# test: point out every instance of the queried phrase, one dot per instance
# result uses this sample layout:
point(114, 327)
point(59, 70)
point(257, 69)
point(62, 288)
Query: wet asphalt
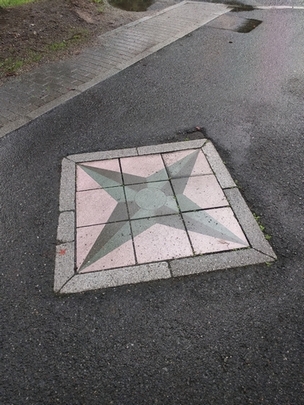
point(256, 3)
point(227, 337)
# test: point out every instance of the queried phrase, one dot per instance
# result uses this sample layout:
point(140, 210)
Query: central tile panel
point(142, 209)
point(154, 212)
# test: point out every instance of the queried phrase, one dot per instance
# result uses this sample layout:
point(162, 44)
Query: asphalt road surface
point(227, 337)
point(257, 3)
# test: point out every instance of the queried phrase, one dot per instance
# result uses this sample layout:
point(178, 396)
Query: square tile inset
point(143, 169)
point(161, 238)
point(186, 163)
point(173, 212)
point(198, 192)
point(214, 230)
point(99, 174)
point(100, 206)
point(103, 247)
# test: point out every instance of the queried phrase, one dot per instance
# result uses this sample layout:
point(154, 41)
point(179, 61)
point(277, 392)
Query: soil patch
point(47, 30)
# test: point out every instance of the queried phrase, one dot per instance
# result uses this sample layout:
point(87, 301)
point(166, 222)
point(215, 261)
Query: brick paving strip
point(27, 97)
point(149, 213)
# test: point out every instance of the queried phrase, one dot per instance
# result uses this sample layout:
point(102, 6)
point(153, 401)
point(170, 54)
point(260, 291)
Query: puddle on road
point(238, 6)
point(234, 23)
point(132, 5)
point(248, 25)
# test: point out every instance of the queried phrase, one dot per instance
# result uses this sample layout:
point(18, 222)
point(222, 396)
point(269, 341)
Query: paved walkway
point(25, 98)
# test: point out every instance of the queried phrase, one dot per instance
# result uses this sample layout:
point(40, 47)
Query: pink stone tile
point(226, 217)
point(207, 244)
point(85, 182)
point(160, 241)
point(143, 166)
point(204, 191)
point(180, 167)
point(96, 206)
point(121, 256)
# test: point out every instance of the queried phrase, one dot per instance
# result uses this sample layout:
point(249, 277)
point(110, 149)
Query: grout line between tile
point(129, 218)
point(179, 209)
point(169, 267)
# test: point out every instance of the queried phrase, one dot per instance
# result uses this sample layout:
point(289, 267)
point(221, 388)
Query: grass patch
point(75, 37)
point(13, 3)
point(262, 227)
point(99, 5)
point(57, 46)
point(12, 64)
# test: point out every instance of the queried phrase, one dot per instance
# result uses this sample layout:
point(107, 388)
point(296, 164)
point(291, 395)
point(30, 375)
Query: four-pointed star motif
point(155, 196)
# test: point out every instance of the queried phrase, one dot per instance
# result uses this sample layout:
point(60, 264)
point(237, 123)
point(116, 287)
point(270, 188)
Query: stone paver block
point(102, 155)
point(171, 147)
point(216, 261)
point(67, 186)
point(64, 264)
point(113, 278)
point(247, 221)
point(218, 166)
point(66, 227)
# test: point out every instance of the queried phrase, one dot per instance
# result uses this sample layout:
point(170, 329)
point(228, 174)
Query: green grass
point(99, 5)
point(57, 46)
point(13, 3)
point(12, 64)
point(262, 227)
point(75, 37)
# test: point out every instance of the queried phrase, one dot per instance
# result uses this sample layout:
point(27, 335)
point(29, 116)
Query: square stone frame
point(66, 280)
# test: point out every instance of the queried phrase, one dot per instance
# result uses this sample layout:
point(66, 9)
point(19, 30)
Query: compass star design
point(156, 196)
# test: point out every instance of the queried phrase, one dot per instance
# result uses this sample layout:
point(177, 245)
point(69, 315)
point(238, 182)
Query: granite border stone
point(248, 223)
point(171, 147)
point(103, 155)
point(67, 187)
point(64, 264)
point(117, 277)
point(66, 227)
point(218, 166)
point(216, 261)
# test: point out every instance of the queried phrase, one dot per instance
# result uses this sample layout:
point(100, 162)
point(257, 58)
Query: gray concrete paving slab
point(67, 193)
point(66, 227)
point(117, 277)
point(218, 166)
point(187, 266)
point(112, 154)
